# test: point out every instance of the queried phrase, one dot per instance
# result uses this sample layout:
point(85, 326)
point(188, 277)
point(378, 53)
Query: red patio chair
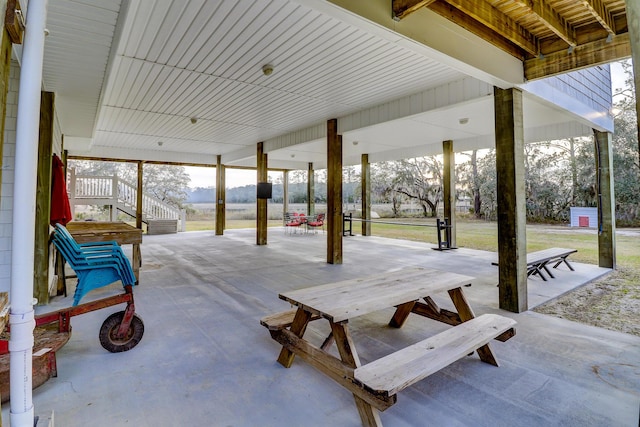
point(291, 222)
point(317, 222)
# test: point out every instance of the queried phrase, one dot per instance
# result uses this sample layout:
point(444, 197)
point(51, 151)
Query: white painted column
point(28, 122)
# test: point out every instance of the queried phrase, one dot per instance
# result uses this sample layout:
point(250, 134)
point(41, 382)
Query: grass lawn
point(482, 235)
point(230, 224)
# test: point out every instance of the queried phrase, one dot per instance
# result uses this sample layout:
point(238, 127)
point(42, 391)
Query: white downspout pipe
point(26, 165)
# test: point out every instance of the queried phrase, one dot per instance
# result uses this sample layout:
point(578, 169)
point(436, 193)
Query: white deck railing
point(120, 194)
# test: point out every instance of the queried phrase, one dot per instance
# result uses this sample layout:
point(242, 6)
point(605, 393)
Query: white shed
point(584, 217)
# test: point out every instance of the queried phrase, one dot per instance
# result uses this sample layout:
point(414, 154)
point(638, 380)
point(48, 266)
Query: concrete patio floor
point(206, 361)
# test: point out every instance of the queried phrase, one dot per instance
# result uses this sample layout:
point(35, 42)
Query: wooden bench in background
point(539, 261)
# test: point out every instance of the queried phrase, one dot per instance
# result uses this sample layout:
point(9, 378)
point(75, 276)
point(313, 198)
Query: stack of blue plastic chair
point(96, 264)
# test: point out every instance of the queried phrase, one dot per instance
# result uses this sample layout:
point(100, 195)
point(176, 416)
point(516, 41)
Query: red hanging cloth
point(60, 209)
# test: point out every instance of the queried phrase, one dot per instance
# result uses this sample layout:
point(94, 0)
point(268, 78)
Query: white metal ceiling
point(129, 76)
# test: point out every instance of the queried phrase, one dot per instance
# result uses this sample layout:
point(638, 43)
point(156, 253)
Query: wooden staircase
point(121, 196)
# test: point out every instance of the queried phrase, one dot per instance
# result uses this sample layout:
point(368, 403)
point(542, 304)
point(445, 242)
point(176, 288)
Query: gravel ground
point(612, 302)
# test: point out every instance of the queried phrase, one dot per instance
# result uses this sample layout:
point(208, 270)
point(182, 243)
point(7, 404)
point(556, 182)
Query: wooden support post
point(365, 185)
point(5, 66)
point(220, 196)
point(261, 226)
point(43, 199)
point(606, 200)
point(285, 193)
point(65, 158)
point(334, 193)
point(369, 416)
point(466, 313)
point(449, 191)
point(512, 243)
point(72, 192)
point(114, 199)
point(311, 193)
point(139, 196)
point(298, 327)
point(633, 21)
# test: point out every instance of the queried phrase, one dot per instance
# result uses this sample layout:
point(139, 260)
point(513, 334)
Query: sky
point(206, 177)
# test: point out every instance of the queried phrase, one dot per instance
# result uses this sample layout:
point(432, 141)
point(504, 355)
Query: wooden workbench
point(123, 233)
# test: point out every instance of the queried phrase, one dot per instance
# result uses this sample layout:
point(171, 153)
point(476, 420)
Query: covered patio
point(205, 359)
point(304, 85)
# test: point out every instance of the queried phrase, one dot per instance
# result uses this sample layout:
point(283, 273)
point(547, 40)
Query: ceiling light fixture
point(355, 142)
point(194, 120)
point(267, 69)
point(463, 121)
point(160, 143)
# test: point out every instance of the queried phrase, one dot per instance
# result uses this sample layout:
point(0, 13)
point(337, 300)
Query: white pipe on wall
point(26, 165)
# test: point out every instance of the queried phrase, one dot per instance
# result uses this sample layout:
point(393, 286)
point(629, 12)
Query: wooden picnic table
point(375, 385)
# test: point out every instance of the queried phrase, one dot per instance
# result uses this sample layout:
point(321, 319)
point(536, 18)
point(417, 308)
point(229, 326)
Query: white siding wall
point(8, 164)
point(586, 93)
point(591, 86)
point(591, 213)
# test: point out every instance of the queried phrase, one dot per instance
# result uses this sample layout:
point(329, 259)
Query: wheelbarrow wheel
point(109, 331)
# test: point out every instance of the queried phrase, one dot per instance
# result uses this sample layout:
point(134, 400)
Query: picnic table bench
point(540, 260)
point(375, 385)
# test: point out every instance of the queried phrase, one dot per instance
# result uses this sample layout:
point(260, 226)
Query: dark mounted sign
point(264, 190)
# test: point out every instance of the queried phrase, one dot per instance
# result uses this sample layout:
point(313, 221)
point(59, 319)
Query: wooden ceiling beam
point(403, 8)
point(546, 15)
point(601, 13)
point(489, 16)
point(465, 21)
point(586, 55)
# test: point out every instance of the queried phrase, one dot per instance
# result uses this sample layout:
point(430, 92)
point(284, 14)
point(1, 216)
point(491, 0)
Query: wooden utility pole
point(606, 200)
point(43, 199)
point(633, 21)
point(139, 196)
point(311, 193)
point(449, 190)
point(512, 236)
point(334, 193)
point(220, 196)
point(261, 232)
point(365, 185)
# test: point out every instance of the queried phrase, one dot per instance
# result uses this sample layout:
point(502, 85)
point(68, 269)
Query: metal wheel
point(109, 330)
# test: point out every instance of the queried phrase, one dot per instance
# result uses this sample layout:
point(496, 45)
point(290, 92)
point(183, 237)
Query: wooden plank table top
point(340, 301)
point(121, 232)
point(549, 253)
